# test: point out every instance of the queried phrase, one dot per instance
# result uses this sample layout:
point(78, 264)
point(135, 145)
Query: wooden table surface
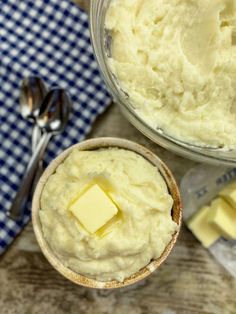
point(190, 281)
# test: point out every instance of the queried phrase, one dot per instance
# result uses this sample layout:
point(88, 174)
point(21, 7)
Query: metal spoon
point(52, 121)
point(32, 93)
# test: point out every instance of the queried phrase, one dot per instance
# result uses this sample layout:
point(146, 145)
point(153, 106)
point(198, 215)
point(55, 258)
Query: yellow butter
point(93, 209)
point(200, 227)
point(223, 217)
point(229, 194)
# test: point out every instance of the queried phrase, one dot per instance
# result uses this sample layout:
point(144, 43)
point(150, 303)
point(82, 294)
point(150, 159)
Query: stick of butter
point(223, 217)
point(200, 227)
point(93, 209)
point(229, 194)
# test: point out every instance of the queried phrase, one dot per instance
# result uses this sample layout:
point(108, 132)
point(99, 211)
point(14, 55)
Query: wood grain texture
point(190, 282)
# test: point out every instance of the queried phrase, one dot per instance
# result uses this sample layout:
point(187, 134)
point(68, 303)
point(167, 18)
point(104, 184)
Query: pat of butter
point(229, 194)
point(223, 217)
point(93, 209)
point(200, 227)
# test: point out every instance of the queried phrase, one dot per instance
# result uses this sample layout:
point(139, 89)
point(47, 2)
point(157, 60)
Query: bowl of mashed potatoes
point(171, 66)
point(127, 242)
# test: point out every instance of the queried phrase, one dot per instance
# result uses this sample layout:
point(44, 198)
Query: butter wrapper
point(199, 187)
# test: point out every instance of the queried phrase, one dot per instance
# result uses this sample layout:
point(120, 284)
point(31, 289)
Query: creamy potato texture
point(176, 59)
point(140, 231)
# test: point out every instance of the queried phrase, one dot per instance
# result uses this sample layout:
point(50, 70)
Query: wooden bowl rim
point(93, 144)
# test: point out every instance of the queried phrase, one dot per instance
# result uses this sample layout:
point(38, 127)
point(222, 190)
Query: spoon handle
point(18, 206)
point(37, 177)
point(36, 135)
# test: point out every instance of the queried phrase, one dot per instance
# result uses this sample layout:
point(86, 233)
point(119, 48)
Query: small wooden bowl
point(94, 144)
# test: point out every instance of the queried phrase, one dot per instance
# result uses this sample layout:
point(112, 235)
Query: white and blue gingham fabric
point(48, 38)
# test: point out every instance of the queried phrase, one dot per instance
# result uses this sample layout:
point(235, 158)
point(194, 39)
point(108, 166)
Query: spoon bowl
point(32, 93)
point(55, 111)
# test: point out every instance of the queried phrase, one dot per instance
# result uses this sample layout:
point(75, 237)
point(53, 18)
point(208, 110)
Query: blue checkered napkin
point(49, 38)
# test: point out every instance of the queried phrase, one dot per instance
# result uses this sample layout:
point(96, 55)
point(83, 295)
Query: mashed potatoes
point(177, 61)
point(141, 230)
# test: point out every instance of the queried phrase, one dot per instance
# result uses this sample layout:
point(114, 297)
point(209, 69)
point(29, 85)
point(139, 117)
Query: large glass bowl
point(101, 43)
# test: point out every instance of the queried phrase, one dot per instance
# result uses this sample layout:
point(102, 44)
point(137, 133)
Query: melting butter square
point(93, 209)
point(200, 227)
point(223, 217)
